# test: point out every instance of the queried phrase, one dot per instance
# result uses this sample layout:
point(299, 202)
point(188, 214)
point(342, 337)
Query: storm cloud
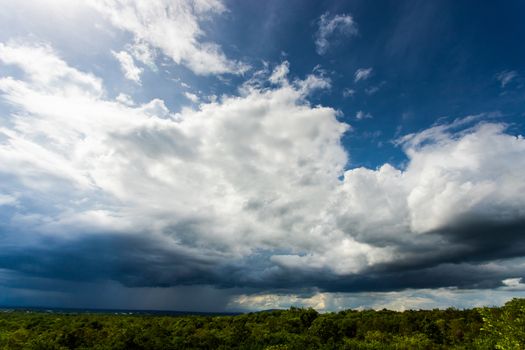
point(249, 192)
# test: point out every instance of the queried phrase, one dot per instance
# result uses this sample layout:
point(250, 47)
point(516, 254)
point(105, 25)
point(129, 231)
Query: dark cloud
point(462, 260)
point(114, 270)
point(130, 259)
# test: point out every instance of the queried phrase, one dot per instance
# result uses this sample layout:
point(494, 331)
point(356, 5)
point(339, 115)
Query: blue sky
point(256, 155)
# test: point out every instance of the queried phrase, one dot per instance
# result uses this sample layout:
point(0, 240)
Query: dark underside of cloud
point(460, 257)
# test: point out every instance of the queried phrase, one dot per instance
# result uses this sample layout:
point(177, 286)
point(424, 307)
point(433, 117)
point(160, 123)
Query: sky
point(233, 155)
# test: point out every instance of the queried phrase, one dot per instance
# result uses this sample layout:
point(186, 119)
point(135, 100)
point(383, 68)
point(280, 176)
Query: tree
point(504, 328)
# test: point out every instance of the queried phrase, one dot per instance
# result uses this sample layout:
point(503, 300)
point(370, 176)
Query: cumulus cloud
point(192, 172)
point(174, 28)
point(362, 74)
point(127, 64)
point(247, 191)
point(450, 180)
point(329, 26)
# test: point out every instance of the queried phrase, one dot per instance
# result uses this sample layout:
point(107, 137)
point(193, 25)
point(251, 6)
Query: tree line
point(295, 328)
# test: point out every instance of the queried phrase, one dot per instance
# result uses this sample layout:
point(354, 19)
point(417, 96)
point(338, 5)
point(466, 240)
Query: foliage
point(504, 328)
point(483, 328)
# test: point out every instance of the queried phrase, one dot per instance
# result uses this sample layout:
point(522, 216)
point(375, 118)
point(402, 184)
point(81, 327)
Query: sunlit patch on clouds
point(408, 299)
point(247, 196)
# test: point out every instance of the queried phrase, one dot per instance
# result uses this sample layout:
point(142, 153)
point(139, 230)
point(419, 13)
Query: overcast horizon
point(231, 155)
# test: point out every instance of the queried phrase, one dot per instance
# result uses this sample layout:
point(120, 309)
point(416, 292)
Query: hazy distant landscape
point(480, 328)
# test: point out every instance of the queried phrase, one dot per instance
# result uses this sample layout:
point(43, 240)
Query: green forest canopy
point(296, 328)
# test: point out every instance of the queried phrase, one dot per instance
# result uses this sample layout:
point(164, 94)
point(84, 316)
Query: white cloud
point(360, 115)
point(144, 53)
point(46, 69)
point(409, 299)
point(449, 177)
point(446, 177)
point(505, 77)
point(345, 257)
point(130, 70)
point(276, 301)
point(279, 76)
point(329, 25)
point(125, 99)
point(362, 74)
point(237, 167)
point(192, 97)
point(313, 82)
point(513, 284)
point(280, 73)
point(174, 28)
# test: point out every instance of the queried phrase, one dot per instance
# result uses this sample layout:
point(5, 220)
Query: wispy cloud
point(49, 71)
point(143, 52)
point(174, 28)
point(360, 115)
point(348, 92)
point(127, 64)
point(192, 97)
point(362, 74)
point(505, 77)
point(329, 26)
point(280, 73)
point(375, 88)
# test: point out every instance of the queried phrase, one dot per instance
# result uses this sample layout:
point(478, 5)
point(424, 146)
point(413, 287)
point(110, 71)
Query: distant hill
point(57, 310)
